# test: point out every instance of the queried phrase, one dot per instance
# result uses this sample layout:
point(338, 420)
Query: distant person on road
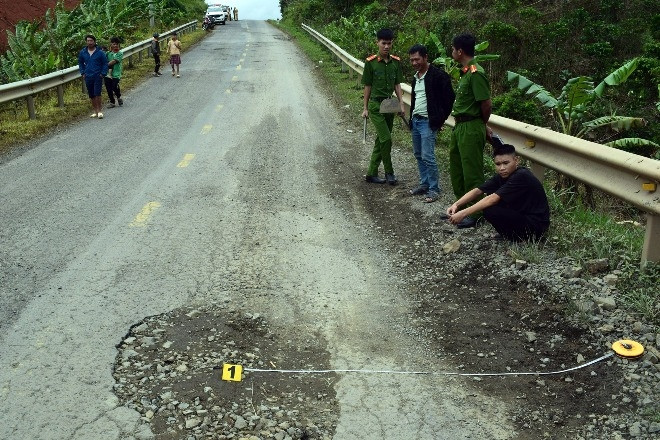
point(174, 50)
point(115, 57)
point(471, 112)
point(155, 51)
point(516, 204)
point(382, 76)
point(229, 13)
point(235, 14)
point(432, 100)
point(93, 66)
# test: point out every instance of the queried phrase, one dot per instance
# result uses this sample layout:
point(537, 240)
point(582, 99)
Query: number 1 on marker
point(232, 373)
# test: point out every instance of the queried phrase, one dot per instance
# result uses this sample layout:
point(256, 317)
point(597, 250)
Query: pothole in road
point(169, 369)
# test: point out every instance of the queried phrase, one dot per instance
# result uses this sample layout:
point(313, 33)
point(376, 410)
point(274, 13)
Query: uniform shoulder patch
point(371, 58)
point(395, 57)
point(473, 68)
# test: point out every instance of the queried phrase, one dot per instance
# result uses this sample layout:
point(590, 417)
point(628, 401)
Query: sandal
point(418, 191)
point(431, 197)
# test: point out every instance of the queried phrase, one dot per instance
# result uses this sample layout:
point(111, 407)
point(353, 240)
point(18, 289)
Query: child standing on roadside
point(155, 51)
point(115, 57)
point(174, 49)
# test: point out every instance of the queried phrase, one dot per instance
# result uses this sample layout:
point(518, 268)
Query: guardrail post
point(651, 249)
point(538, 170)
point(60, 96)
point(140, 56)
point(30, 106)
point(130, 61)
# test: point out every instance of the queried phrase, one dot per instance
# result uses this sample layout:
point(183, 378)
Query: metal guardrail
point(629, 177)
point(30, 87)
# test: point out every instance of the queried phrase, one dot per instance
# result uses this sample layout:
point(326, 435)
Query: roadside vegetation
point(549, 42)
point(582, 229)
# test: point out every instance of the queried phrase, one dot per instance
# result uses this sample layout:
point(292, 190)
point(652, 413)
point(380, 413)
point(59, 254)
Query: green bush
point(504, 6)
point(512, 104)
point(500, 34)
point(601, 49)
point(529, 13)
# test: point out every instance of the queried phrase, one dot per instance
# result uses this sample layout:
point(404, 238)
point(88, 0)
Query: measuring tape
point(625, 349)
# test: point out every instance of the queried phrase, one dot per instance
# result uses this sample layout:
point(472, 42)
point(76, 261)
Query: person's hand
point(452, 209)
point(403, 110)
point(456, 218)
point(365, 113)
point(489, 134)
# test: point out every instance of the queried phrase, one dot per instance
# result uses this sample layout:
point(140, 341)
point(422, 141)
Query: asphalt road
point(211, 187)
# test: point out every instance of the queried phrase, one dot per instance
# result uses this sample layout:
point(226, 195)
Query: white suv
point(216, 14)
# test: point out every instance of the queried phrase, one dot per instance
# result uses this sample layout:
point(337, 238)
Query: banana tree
point(571, 109)
point(29, 53)
point(107, 18)
point(452, 67)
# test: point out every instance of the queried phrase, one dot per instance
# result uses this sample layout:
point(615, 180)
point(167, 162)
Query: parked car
point(216, 14)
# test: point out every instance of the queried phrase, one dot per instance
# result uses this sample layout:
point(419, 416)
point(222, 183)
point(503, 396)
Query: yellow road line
point(219, 107)
point(207, 129)
point(228, 91)
point(186, 160)
point(144, 215)
point(235, 78)
point(238, 67)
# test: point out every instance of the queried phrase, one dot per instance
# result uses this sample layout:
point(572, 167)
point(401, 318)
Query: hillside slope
point(11, 12)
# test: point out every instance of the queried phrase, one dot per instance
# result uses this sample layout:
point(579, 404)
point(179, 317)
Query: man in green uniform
point(382, 75)
point(471, 111)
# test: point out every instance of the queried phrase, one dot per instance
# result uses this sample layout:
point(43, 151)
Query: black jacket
point(439, 96)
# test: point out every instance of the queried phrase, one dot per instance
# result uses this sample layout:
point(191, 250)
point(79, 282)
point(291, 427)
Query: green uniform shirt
point(115, 70)
point(382, 76)
point(472, 88)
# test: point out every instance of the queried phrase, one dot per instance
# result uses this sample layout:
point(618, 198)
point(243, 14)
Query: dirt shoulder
point(486, 310)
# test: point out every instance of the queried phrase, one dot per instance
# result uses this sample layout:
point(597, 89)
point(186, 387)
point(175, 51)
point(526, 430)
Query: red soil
point(13, 11)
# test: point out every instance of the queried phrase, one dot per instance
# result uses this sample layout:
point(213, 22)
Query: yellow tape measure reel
point(628, 349)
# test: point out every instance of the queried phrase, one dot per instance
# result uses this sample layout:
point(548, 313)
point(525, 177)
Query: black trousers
point(112, 87)
point(157, 61)
point(511, 224)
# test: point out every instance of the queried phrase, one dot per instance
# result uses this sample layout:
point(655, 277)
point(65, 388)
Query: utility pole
point(152, 21)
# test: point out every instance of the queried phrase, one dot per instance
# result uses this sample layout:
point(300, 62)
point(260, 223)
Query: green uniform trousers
point(466, 156)
point(383, 123)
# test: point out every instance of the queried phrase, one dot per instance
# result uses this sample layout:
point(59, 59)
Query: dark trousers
point(157, 61)
point(112, 87)
point(511, 224)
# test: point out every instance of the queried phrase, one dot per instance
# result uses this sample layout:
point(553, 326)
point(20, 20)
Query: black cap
point(156, 35)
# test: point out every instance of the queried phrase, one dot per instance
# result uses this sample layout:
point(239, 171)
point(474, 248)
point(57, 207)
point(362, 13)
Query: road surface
point(212, 187)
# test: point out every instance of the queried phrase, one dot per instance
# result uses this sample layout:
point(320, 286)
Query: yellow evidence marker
point(232, 373)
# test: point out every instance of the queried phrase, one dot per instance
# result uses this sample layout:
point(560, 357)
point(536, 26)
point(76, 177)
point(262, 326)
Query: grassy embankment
point(17, 128)
point(577, 231)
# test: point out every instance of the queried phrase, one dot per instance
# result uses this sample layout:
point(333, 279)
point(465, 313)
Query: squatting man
point(516, 204)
